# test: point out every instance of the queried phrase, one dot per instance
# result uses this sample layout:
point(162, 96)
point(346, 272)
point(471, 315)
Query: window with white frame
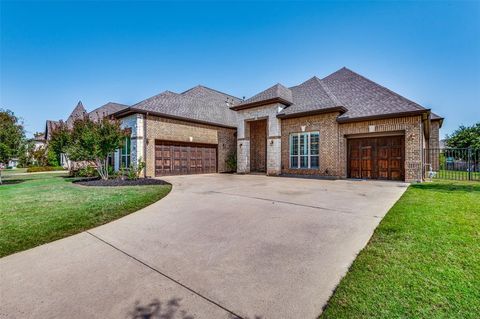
point(304, 150)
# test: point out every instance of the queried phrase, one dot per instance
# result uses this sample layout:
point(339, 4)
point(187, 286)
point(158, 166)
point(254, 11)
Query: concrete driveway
point(218, 246)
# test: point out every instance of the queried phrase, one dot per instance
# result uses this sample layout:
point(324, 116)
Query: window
point(125, 152)
point(304, 150)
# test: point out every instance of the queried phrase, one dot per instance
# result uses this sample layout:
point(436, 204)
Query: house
point(342, 126)
point(79, 112)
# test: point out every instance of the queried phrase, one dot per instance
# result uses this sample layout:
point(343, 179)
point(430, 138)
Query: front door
point(258, 146)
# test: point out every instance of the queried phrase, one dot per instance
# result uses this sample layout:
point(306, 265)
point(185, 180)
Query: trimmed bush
point(34, 169)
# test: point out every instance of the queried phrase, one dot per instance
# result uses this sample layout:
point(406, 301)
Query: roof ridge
point(210, 89)
point(329, 93)
point(375, 83)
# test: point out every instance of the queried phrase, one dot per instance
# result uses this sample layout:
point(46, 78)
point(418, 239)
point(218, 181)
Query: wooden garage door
point(377, 158)
point(172, 158)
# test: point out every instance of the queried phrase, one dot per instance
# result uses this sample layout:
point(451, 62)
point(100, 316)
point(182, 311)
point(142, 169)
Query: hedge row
point(34, 169)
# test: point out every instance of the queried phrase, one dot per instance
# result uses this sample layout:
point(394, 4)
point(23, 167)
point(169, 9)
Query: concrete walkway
point(218, 246)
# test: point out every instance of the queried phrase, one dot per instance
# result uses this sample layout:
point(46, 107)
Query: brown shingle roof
point(363, 97)
point(198, 103)
point(105, 110)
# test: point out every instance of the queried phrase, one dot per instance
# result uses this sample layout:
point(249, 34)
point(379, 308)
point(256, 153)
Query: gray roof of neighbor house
point(199, 103)
point(78, 113)
point(105, 110)
point(49, 127)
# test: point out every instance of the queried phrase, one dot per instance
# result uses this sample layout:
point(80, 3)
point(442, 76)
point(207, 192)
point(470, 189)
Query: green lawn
point(39, 208)
point(423, 261)
point(457, 175)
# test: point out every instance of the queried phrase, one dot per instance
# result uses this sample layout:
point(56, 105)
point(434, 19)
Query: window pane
point(294, 144)
point(303, 161)
point(314, 161)
point(303, 144)
point(294, 162)
point(314, 143)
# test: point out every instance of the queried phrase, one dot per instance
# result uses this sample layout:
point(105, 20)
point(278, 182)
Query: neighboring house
point(79, 112)
point(38, 141)
point(13, 163)
point(341, 126)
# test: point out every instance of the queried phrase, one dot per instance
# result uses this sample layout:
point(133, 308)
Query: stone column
point(274, 145)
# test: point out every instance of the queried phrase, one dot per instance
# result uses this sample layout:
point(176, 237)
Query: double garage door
point(174, 158)
point(377, 158)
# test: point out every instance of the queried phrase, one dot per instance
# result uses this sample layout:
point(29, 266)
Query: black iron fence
point(452, 163)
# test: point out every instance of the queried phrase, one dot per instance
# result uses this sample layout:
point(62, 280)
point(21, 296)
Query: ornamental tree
point(93, 141)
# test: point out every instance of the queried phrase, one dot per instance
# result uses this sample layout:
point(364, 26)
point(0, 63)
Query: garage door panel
point(173, 158)
point(376, 158)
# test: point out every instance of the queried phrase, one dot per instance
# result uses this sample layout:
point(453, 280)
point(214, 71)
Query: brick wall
point(333, 143)
point(434, 141)
point(159, 128)
point(327, 126)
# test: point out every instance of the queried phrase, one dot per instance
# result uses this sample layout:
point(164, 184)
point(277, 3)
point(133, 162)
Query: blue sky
point(56, 53)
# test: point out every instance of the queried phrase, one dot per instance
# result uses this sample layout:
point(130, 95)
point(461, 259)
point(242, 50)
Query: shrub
point(86, 171)
point(231, 162)
point(34, 169)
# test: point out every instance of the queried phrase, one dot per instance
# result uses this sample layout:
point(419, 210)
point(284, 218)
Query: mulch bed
point(120, 182)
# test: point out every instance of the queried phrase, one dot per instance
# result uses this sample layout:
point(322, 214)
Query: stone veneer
point(268, 112)
point(136, 123)
point(159, 128)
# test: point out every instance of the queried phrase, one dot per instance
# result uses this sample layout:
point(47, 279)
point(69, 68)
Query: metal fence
point(452, 163)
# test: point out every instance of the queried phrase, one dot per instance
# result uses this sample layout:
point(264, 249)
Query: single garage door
point(173, 158)
point(377, 158)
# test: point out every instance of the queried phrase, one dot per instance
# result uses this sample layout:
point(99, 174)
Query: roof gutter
point(261, 103)
point(339, 109)
point(131, 110)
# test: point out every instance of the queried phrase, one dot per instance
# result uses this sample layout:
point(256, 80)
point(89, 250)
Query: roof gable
point(78, 113)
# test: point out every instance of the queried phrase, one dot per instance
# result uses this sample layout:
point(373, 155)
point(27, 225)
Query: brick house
point(341, 126)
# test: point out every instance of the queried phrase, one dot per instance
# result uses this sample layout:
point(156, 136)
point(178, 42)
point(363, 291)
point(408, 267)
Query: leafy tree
point(465, 136)
point(59, 141)
point(12, 136)
point(93, 141)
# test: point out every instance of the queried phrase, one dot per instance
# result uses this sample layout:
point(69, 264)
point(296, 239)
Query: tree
point(12, 136)
point(94, 141)
point(464, 137)
point(59, 141)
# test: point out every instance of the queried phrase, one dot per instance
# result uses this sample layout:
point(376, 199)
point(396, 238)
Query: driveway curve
point(218, 246)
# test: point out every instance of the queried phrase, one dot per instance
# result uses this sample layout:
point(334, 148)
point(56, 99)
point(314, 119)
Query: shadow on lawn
point(170, 309)
point(471, 186)
point(11, 181)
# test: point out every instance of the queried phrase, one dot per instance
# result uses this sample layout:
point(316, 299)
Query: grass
point(423, 260)
point(39, 208)
point(460, 175)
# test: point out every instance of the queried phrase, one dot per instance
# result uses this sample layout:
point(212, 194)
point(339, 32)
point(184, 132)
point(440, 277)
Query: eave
point(339, 109)
point(383, 116)
point(130, 111)
point(261, 103)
